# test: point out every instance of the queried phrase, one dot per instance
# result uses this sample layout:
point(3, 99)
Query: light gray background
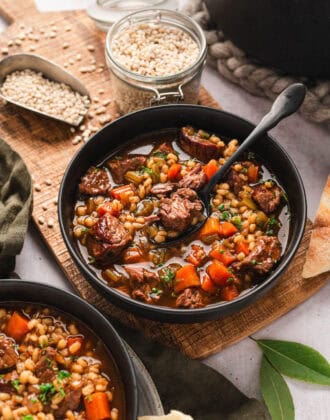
point(309, 146)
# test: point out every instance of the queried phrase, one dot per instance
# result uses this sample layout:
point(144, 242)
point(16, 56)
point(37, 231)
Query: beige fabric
point(174, 415)
point(318, 253)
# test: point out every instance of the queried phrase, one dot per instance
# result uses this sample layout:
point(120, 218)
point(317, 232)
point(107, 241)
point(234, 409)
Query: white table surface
point(309, 146)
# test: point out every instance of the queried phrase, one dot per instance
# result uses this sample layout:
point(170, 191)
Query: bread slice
point(318, 253)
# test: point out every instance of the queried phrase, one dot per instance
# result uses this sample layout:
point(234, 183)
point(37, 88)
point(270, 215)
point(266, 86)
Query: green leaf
point(297, 361)
point(275, 392)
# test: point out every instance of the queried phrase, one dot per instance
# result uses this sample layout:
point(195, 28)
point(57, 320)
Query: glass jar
point(133, 91)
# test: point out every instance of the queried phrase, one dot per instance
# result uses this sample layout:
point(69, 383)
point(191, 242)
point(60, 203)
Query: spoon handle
point(284, 105)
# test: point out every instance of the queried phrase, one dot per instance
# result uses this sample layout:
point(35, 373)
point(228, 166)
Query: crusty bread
point(318, 253)
point(174, 415)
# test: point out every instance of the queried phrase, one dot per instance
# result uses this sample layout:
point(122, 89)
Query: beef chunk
point(195, 178)
point(262, 258)
point(268, 199)
point(142, 283)
point(95, 181)
point(46, 365)
point(162, 189)
point(190, 298)
point(176, 212)
point(195, 145)
point(119, 167)
point(107, 237)
point(71, 401)
point(235, 181)
point(8, 354)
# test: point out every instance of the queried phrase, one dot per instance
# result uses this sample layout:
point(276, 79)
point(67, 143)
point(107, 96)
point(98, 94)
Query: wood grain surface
point(46, 147)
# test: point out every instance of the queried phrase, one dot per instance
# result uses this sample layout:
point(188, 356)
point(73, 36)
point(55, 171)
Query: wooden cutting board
point(46, 146)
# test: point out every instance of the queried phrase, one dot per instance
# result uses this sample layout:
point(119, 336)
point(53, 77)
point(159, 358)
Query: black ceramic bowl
point(18, 291)
point(120, 132)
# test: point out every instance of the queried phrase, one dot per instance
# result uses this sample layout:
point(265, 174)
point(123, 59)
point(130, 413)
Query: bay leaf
point(297, 361)
point(275, 392)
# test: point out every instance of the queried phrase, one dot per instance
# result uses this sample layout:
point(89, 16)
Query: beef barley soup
point(53, 367)
point(131, 202)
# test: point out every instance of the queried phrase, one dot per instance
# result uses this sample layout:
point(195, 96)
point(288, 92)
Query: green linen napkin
point(189, 385)
point(15, 206)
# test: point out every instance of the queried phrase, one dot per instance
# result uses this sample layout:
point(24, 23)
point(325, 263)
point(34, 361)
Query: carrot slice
point(229, 292)
point(107, 207)
point(208, 285)
point(97, 406)
point(253, 173)
point(222, 254)
point(174, 171)
point(227, 229)
point(186, 276)
point(17, 326)
point(218, 272)
point(210, 231)
point(242, 246)
point(122, 193)
point(210, 168)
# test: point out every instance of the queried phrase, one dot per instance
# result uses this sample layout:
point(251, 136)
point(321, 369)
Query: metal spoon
point(284, 105)
point(49, 69)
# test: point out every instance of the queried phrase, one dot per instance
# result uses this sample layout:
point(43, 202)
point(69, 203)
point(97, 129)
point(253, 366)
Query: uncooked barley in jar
point(152, 49)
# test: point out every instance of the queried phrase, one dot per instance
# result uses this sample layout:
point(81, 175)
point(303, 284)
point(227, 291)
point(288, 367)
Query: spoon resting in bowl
point(284, 105)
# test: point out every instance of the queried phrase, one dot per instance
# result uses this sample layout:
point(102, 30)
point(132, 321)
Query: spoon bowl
point(284, 105)
point(49, 69)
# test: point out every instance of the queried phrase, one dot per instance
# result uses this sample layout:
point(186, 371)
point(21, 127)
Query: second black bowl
point(114, 136)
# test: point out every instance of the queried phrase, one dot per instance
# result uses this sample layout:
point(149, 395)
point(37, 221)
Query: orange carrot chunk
point(211, 230)
point(253, 173)
point(222, 254)
point(210, 168)
point(17, 326)
point(218, 272)
point(242, 246)
point(107, 207)
point(97, 406)
point(186, 276)
point(208, 285)
point(174, 171)
point(229, 292)
point(122, 193)
point(227, 229)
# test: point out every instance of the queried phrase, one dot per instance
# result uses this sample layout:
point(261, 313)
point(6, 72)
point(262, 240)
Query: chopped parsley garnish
point(34, 400)
point(272, 221)
point(118, 158)
point(16, 383)
point(46, 390)
point(225, 215)
point(27, 417)
point(167, 275)
point(62, 392)
point(251, 156)
point(161, 155)
point(221, 207)
point(230, 280)
point(63, 374)
point(147, 170)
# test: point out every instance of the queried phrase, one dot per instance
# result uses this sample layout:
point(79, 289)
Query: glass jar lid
point(106, 12)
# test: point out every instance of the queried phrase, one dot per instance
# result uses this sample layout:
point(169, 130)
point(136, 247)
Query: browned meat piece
point(262, 258)
point(45, 368)
point(71, 401)
point(8, 354)
point(107, 237)
point(195, 179)
point(152, 218)
point(165, 147)
point(142, 283)
point(6, 382)
point(235, 181)
point(176, 212)
point(119, 167)
point(190, 298)
point(162, 189)
point(95, 181)
point(268, 199)
point(199, 147)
